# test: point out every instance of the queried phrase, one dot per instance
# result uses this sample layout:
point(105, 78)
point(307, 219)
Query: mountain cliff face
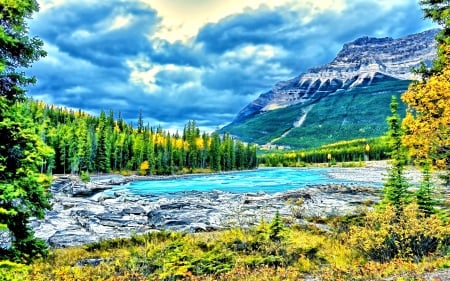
point(346, 99)
point(357, 64)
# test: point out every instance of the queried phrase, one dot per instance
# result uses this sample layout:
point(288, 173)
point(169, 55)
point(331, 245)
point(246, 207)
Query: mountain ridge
point(358, 82)
point(357, 62)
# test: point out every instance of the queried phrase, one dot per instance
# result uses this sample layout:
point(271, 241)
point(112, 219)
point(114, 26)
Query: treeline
point(103, 144)
point(344, 151)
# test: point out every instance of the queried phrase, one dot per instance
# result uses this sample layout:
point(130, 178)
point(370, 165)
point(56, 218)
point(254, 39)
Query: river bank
point(83, 212)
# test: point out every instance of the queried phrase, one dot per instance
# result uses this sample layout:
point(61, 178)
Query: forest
point(403, 236)
point(83, 143)
point(356, 151)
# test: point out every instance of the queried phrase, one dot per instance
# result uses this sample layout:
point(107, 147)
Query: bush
point(84, 176)
point(10, 271)
point(408, 235)
point(213, 262)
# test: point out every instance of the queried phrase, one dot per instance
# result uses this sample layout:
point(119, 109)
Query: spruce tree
point(276, 228)
point(23, 191)
point(396, 185)
point(425, 192)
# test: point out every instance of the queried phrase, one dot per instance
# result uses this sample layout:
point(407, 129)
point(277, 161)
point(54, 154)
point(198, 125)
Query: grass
point(235, 254)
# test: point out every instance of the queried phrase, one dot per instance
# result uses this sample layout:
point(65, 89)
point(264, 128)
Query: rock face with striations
point(359, 62)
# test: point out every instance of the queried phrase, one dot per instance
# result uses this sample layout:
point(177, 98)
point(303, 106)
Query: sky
point(202, 60)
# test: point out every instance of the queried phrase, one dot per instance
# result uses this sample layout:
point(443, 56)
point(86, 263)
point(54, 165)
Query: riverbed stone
point(88, 212)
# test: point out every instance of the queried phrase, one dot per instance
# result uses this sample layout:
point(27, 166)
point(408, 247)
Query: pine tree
point(23, 189)
point(140, 123)
point(425, 193)
point(276, 228)
point(439, 12)
point(396, 185)
point(215, 154)
point(101, 157)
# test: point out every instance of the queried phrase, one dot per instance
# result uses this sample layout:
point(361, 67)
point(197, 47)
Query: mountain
point(346, 98)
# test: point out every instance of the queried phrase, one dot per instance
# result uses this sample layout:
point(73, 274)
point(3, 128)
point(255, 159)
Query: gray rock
point(137, 210)
point(66, 238)
point(89, 262)
point(77, 220)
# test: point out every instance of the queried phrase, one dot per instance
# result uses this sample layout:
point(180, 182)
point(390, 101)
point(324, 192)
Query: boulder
point(67, 238)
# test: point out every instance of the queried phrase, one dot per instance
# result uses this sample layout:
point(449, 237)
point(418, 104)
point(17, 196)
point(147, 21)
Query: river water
point(268, 180)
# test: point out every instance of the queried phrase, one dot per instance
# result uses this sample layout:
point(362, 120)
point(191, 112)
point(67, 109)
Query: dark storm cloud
point(209, 78)
point(178, 53)
point(256, 27)
point(86, 31)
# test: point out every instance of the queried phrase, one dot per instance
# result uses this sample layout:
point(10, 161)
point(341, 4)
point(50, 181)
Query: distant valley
point(345, 99)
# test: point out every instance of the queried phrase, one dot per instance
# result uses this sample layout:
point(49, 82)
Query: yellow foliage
point(199, 143)
point(144, 167)
point(178, 143)
point(409, 235)
point(10, 271)
point(164, 255)
point(427, 123)
point(160, 140)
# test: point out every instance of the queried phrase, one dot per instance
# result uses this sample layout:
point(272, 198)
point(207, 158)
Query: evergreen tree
point(396, 185)
point(140, 122)
point(425, 193)
point(276, 228)
point(101, 156)
point(215, 154)
point(23, 189)
point(439, 12)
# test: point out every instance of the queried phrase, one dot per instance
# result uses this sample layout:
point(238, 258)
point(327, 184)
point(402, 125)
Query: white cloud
point(182, 19)
point(120, 21)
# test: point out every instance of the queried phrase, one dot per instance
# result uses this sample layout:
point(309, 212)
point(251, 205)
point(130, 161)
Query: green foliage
point(439, 12)
point(85, 143)
point(276, 228)
point(17, 48)
point(344, 151)
point(22, 152)
point(355, 113)
point(213, 262)
point(396, 185)
point(425, 195)
point(84, 176)
point(10, 271)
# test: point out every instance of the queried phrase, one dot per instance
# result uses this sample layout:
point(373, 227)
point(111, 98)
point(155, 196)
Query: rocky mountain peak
point(359, 62)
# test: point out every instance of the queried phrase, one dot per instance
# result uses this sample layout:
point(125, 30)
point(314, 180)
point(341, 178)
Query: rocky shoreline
point(82, 213)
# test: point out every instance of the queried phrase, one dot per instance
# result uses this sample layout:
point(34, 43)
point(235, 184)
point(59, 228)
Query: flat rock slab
point(77, 219)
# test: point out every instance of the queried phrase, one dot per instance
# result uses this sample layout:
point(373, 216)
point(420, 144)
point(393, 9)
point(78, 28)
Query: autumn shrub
point(408, 235)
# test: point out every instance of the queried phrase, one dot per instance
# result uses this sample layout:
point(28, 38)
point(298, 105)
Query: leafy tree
point(427, 121)
point(396, 185)
point(23, 189)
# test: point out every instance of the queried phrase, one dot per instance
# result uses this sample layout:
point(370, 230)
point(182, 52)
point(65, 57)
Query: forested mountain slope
point(347, 98)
